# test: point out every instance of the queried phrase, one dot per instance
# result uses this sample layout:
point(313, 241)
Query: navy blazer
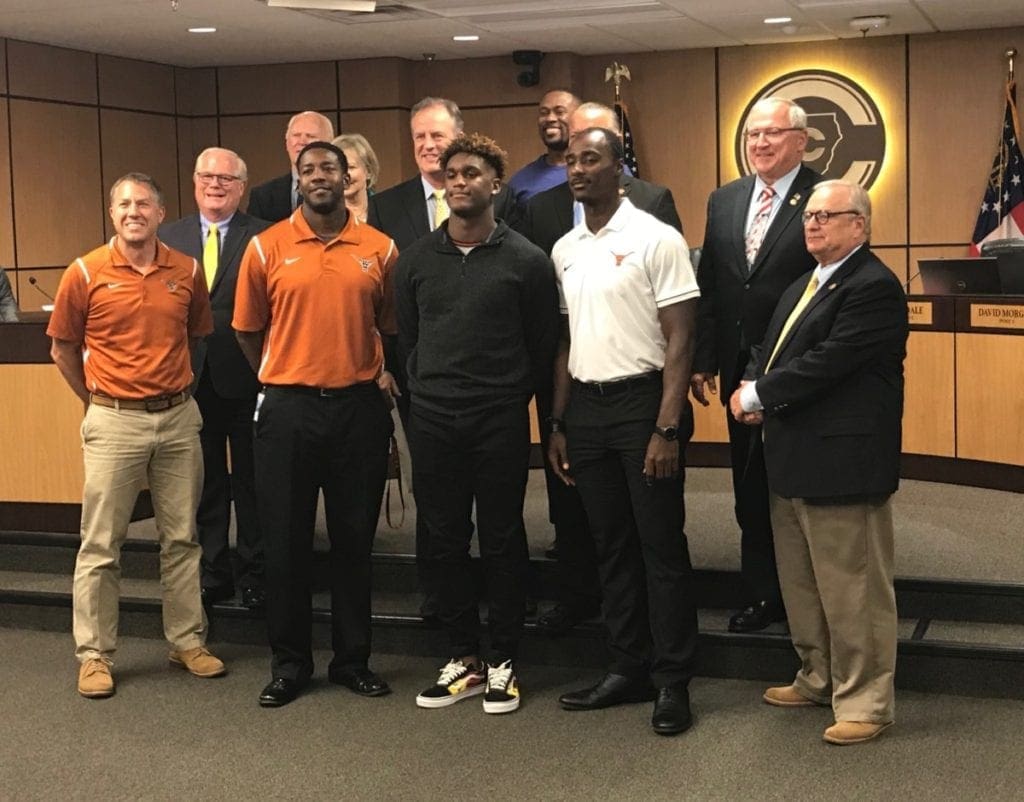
point(735, 304)
point(272, 200)
point(230, 372)
point(401, 211)
point(548, 215)
point(833, 398)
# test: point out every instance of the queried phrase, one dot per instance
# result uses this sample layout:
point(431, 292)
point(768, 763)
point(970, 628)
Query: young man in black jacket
point(478, 326)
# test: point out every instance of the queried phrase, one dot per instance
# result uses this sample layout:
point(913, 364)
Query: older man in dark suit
point(753, 249)
point(827, 382)
point(277, 198)
point(225, 386)
point(550, 215)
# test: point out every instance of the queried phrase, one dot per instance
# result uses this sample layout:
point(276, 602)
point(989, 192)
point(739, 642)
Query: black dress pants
point(459, 459)
point(643, 558)
point(227, 420)
point(306, 443)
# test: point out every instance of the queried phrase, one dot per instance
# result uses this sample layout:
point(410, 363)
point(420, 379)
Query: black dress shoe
point(551, 552)
point(254, 598)
point(217, 594)
point(280, 692)
point(429, 608)
point(561, 618)
point(672, 711)
point(613, 689)
point(360, 680)
point(756, 617)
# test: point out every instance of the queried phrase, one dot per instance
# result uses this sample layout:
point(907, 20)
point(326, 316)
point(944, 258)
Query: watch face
point(668, 432)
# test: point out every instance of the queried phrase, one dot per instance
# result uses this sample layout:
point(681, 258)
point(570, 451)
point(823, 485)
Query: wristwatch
point(669, 433)
point(557, 425)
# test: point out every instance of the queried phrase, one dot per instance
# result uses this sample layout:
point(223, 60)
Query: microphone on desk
point(35, 283)
point(906, 284)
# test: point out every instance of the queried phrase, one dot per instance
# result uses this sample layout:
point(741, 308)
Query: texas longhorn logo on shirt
point(172, 285)
point(620, 257)
point(366, 264)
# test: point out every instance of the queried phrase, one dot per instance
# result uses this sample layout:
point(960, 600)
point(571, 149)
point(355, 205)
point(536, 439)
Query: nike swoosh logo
point(292, 260)
point(113, 285)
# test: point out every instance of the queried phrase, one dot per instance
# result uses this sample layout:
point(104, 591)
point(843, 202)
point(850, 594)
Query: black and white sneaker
point(502, 694)
point(457, 681)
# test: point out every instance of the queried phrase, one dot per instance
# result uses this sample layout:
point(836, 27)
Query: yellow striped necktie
point(211, 254)
point(809, 290)
point(440, 208)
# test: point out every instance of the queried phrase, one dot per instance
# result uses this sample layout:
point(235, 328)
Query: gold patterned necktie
point(211, 254)
point(440, 208)
point(809, 290)
point(759, 225)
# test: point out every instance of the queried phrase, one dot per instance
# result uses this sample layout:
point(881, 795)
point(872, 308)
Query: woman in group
point(363, 169)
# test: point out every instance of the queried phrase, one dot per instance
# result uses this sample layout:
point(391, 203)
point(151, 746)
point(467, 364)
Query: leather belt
point(619, 385)
point(157, 404)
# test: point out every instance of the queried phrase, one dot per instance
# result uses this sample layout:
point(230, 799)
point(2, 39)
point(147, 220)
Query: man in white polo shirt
point(619, 420)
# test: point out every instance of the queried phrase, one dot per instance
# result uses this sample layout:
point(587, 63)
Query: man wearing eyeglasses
point(225, 386)
point(827, 383)
point(753, 249)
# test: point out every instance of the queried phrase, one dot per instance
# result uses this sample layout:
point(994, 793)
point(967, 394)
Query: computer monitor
point(1009, 254)
point(960, 276)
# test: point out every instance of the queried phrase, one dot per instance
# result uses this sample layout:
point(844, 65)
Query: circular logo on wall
point(845, 132)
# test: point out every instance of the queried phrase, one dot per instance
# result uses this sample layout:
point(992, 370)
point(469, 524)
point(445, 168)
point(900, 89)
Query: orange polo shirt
point(134, 329)
point(324, 305)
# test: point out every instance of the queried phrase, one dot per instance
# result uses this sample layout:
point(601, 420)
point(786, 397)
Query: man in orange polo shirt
point(314, 297)
point(122, 321)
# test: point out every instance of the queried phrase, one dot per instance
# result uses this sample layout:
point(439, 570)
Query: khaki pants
point(836, 572)
point(121, 449)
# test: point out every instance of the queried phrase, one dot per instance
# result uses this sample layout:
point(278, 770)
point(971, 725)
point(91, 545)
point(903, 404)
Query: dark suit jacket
point(833, 399)
point(272, 200)
point(229, 371)
point(734, 306)
point(401, 212)
point(548, 215)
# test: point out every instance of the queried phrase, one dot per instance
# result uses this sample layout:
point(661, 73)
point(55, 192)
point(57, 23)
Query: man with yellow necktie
point(827, 384)
point(225, 386)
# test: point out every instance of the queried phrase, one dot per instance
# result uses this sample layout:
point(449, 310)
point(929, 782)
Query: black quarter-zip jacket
point(476, 330)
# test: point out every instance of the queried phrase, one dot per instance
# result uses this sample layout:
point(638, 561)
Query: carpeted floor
point(169, 736)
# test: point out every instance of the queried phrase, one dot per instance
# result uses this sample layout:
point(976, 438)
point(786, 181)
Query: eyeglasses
point(771, 134)
point(822, 217)
point(219, 178)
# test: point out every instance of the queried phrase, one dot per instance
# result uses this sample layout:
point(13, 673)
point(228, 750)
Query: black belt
point(321, 392)
point(157, 404)
point(619, 385)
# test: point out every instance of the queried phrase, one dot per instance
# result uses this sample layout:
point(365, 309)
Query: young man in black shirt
point(478, 326)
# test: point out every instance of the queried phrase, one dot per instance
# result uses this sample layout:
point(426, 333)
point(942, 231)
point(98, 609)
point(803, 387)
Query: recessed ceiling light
point(777, 20)
point(202, 30)
point(466, 38)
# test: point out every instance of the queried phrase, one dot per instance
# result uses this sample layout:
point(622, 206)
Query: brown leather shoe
point(198, 661)
point(787, 696)
point(94, 679)
point(845, 733)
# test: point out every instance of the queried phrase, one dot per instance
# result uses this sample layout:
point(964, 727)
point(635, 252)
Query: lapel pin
point(832, 286)
point(794, 200)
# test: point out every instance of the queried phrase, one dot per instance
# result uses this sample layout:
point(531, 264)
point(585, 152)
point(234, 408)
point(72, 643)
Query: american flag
point(1002, 208)
point(627, 141)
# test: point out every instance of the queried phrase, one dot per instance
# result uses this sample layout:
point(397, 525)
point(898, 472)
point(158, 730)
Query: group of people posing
point(459, 295)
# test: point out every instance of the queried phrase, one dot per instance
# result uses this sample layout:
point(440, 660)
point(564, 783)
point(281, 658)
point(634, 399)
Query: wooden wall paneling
point(195, 91)
point(30, 299)
point(195, 134)
point(488, 81)
point(929, 390)
point(671, 102)
point(877, 64)
point(3, 65)
point(377, 83)
point(989, 404)
point(514, 129)
point(135, 142)
point(709, 424)
point(957, 99)
point(933, 252)
point(51, 73)
point(387, 131)
point(259, 139)
point(896, 260)
point(40, 424)
point(53, 228)
point(6, 201)
point(287, 88)
point(133, 84)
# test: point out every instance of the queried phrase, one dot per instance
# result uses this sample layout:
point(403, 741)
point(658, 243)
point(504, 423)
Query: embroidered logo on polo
point(172, 285)
point(845, 130)
point(365, 264)
point(619, 257)
point(292, 260)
